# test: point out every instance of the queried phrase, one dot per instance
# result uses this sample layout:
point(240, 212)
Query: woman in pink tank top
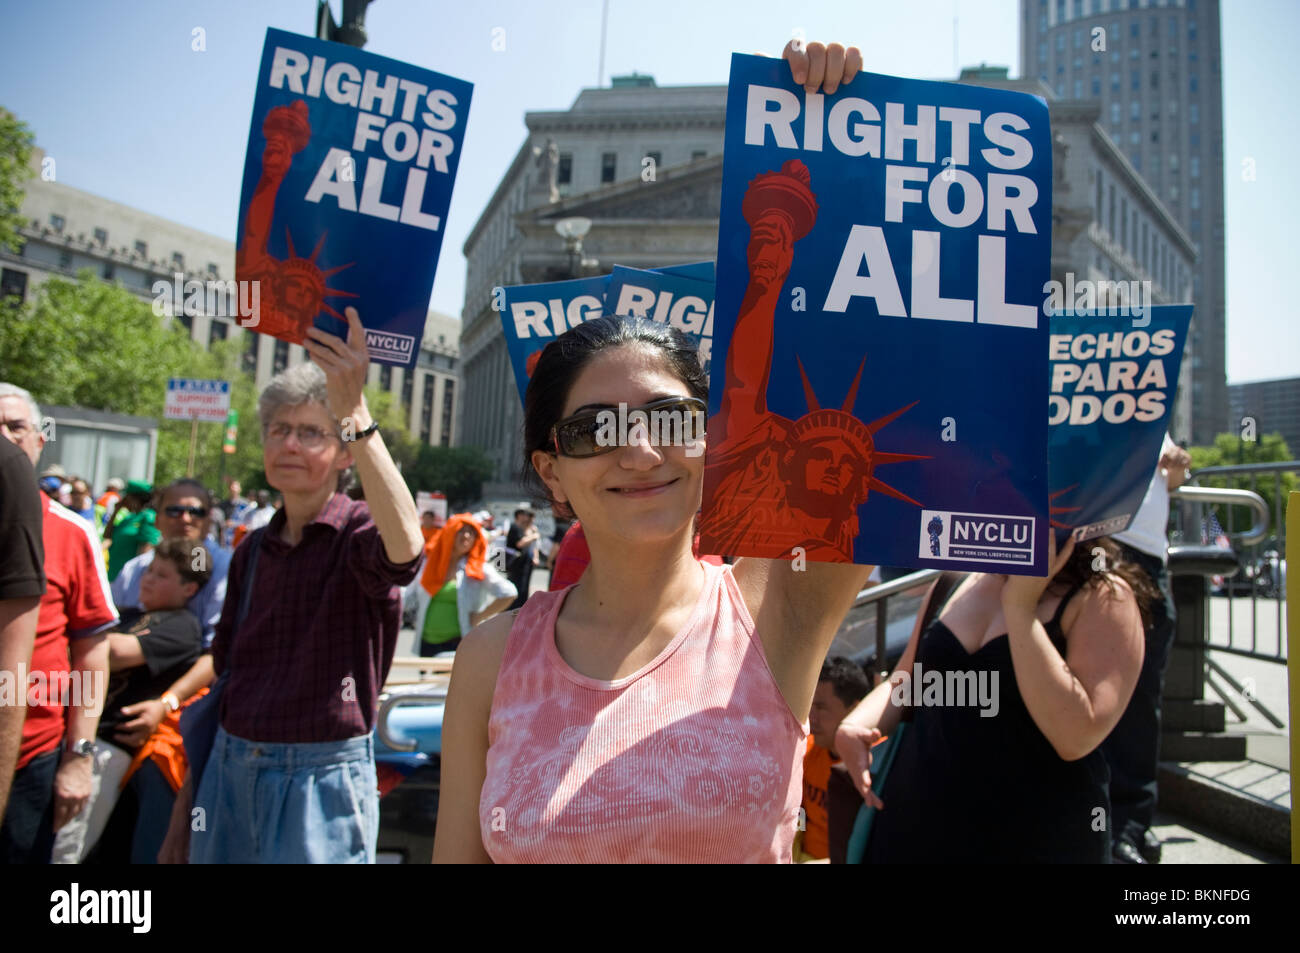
point(655, 711)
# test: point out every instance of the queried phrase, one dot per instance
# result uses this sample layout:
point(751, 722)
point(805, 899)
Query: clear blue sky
point(115, 93)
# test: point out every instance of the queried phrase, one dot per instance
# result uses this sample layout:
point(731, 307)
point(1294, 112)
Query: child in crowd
point(151, 648)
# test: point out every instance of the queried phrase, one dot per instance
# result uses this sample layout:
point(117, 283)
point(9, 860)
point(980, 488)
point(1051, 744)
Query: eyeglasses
point(176, 512)
point(673, 421)
point(309, 437)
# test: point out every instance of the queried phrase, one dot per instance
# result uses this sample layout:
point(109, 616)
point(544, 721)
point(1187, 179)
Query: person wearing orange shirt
point(841, 685)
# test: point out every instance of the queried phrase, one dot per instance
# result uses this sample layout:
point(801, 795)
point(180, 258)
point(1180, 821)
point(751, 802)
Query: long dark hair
point(1086, 567)
point(564, 359)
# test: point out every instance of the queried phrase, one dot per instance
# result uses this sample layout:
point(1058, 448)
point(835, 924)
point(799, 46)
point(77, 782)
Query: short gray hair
point(13, 390)
point(301, 384)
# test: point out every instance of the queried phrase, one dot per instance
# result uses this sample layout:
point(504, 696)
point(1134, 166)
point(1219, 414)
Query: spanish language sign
point(348, 177)
point(189, 399)
point(880, 345)
point(1112, 396)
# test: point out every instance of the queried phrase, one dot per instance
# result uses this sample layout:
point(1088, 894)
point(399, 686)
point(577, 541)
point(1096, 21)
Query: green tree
point(16, 142)
point(1230, 450)
point(458, 472)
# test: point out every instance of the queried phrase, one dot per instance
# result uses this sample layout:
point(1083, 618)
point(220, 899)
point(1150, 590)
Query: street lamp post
point(351, 31)
point(572, 230)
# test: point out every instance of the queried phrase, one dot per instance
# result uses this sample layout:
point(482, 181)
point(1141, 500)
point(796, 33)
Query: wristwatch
point(82, 747)
point(362, 434)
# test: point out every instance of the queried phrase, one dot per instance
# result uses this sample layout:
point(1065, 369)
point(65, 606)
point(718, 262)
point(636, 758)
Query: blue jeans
point(265, 803)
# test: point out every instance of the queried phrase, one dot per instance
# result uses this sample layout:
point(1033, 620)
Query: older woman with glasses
point(291, 775)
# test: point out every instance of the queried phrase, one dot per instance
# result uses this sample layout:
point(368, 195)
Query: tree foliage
point(1230, 450)
point(458, 472)
point(16, 142)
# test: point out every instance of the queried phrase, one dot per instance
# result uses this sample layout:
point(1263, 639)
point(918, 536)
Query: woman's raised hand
point(822, 68)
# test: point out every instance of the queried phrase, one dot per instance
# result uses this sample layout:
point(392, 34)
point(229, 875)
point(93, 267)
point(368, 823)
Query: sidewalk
point(1243, 802)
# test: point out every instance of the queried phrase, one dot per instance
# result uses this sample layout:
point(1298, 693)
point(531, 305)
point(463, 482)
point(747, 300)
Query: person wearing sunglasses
point(655, 711)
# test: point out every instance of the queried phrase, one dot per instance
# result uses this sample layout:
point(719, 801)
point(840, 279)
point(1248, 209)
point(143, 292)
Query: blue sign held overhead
point(880, 343)
point(1112, 398)
point(534, 315)
point(666, 296)
point(347, 181)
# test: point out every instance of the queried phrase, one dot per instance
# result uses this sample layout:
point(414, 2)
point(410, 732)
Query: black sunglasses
point(176, 512)
point(672, 421)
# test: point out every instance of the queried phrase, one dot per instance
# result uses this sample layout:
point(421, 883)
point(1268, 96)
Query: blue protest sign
point(699, 270)
point(881, 346)
point(1112, 395)
point(667, 297)
point(534, 315)
point(348, 178)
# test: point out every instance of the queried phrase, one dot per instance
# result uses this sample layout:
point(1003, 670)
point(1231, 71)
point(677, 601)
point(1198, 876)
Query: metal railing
point(1247, 612)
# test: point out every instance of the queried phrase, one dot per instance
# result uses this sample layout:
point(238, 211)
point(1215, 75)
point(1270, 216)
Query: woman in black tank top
point(1009, 695)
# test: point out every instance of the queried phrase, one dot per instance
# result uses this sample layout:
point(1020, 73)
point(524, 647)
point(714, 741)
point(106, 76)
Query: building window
point(178, 260)
point(187, 322)
point(1078, 89)
point(1155, 135)
point(1100, 192)
point(217, 331)
point(57, 222)
point(251, 341)
point(1134, 137)
point(1110, 216)
point(1114, 81)
point(281, 359)
point(1194, 198)
point(1173, 192)
point(142, 249)
point(1114, 113)
point(1193, 86)
point(1173, 162)
point(1193, 112)
point(1135, 110)
point(448, 397)
point(212, 269)
point(408, 384)
point(564, 174)
point(101, 236)
point(1195, 162)
point(1123, 222)
point(656, 158)
point(106, 271)
point(386, 377)
point(426, 407)
point(608, 165)
point(1096, 86)
point(1060, 42)
point(698, 154)
point(65, 260)
point(13, 284)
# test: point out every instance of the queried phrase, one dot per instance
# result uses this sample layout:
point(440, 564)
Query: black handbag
point(200, 720)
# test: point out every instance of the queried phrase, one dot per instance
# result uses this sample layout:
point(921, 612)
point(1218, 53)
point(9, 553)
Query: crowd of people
point(220, 663)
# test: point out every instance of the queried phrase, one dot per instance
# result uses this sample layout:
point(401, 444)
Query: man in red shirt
point(56, 755)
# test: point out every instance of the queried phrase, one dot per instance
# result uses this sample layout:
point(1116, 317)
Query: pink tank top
point(696, 758)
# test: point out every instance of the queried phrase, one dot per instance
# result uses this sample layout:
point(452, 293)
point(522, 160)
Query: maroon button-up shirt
point(308, 662)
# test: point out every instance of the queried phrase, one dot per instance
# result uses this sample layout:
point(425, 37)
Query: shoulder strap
point(941, 590)
point(1065, 600)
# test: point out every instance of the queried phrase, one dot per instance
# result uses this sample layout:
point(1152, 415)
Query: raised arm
point(391, 506)
point(1075, 701)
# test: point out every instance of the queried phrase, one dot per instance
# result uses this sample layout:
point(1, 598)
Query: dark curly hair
point(564, 359)
point(1079, 570)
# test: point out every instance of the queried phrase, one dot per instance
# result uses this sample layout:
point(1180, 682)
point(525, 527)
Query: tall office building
point(1154, 67)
